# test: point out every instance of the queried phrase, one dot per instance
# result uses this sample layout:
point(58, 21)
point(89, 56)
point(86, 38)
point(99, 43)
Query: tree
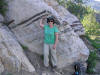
point(91, 26)
point(76, 9)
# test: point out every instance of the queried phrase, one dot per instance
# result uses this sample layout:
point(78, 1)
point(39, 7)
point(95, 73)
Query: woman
point(50, 41)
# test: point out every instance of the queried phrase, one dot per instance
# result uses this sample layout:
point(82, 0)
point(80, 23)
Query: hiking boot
point(46, 67)
point(54, 67)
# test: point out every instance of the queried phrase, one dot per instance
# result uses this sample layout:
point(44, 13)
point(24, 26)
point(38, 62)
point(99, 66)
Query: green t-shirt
point(49, 34)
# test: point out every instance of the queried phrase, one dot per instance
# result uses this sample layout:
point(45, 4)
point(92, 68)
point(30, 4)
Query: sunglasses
point(50, 21)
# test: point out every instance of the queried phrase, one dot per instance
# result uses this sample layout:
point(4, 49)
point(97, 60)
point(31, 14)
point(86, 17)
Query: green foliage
point(79, 1)
point(93, 42)
point(91, 61)
point(91, 26)
point(76, 9)
point(62, 2)
point(3, 7)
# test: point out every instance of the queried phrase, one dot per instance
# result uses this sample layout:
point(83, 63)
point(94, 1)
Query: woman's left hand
point(54, 46)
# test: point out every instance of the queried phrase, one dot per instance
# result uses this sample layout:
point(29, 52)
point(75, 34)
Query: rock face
point(1, 67)
point(71, 48)
point(1, 20)
point(12, 57)
point(26, 15)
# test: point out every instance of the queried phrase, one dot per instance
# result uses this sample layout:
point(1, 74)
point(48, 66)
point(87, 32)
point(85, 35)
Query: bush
point(91, 62)
point(90, 24)
point(3, 7)
point(76, 9)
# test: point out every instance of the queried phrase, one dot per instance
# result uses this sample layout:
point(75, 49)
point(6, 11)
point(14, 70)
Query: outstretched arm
point(41, 23)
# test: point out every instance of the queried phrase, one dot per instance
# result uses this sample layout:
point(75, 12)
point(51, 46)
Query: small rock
point(44, 73)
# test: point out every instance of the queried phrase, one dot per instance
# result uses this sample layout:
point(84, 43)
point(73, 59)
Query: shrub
point(91, 26)
point(76, 9)
point(91, 61)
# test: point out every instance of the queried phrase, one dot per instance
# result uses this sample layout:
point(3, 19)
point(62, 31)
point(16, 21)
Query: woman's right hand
point(41, 22)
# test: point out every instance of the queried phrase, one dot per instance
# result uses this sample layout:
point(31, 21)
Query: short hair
point(50, 18)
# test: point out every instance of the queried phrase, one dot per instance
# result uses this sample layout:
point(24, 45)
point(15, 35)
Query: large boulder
point(11, 53)
point(70, 47)
point(1, 65)
point(26, 15)
point(37, 7)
